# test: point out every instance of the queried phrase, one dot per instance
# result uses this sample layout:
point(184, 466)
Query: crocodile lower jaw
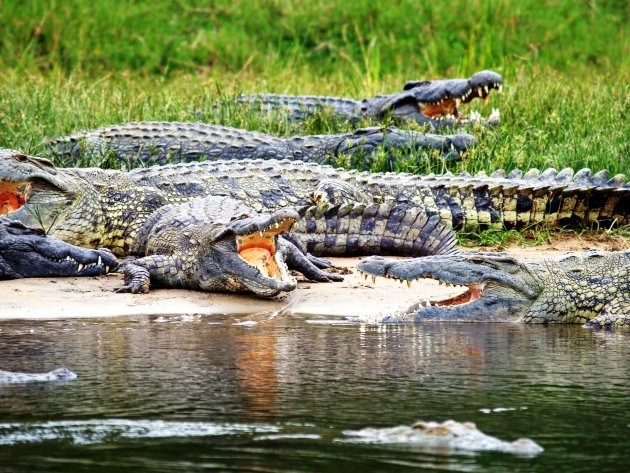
point(468, 292)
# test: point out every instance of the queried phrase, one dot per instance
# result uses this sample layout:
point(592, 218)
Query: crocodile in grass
point(428, 102)
point(107, 208)
point(29, 253)
point(591, 287)
point(150, 143)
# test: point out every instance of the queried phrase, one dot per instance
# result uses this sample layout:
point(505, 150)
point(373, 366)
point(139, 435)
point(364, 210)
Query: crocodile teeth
point(408, 283)
point(106, 269)
point(100, 262)
point(373, 280)
point(500, 88)
point(79, 268)
point(485, 88)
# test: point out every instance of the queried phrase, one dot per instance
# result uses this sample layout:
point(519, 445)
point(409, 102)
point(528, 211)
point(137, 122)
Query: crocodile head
point(33, 191)
point(29, 253)
point(245, 255)
point(436, 101)
point(574, 288)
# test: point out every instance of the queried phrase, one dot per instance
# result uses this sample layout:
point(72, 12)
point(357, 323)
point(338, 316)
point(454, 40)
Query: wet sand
point(94, 297)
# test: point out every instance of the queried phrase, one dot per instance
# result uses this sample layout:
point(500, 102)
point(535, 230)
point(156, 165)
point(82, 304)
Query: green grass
point(79, 64)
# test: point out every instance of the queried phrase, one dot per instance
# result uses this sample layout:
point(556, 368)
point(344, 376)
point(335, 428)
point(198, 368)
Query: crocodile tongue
point(259, 248)
point(12, 196)
point(262, 260)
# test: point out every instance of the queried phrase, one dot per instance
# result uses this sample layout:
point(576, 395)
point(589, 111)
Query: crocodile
point(29, 253)
point(107, 208)
point(151, 143)
point(60, 374)
point(219, 243)
point(592, 287)
point(432, 103)
point(444, 436)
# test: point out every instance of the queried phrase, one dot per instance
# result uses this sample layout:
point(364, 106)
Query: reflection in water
point(563, 386)
point(257, 374)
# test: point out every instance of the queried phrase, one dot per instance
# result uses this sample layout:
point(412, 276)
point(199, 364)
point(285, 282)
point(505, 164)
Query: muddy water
point(276, 394)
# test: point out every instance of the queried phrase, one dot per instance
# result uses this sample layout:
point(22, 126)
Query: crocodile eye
point(575, 272)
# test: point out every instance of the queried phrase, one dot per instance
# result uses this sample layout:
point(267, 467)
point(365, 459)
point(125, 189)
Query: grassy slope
point(71, 65)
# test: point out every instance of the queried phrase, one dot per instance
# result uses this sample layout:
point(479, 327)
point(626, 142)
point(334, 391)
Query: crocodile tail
point(553, 197)
point(566, 197)
point(388, 228)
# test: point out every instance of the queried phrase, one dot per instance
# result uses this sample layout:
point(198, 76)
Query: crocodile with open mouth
point(428, 102)
point(29, 253)
point(219, 244)
point(591, 287)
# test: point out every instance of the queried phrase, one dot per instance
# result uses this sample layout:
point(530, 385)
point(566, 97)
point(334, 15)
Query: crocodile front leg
point(137, 274)
point(297, 259)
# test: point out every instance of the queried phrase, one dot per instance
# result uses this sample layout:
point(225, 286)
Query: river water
point(171, 394)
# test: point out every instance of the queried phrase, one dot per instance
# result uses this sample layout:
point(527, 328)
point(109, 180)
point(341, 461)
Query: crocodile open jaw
point(258, 248)
point(447, 107)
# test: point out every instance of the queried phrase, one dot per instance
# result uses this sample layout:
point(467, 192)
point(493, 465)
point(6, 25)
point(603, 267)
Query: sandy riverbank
point(54, 298)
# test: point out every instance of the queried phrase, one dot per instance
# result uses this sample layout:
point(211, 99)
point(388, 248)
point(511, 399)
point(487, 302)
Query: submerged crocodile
point(29, 253)
point(443, 436)
point(427, 102)
point(591, 287)
point(107, 208)
point(150, 143)
point(60, 374)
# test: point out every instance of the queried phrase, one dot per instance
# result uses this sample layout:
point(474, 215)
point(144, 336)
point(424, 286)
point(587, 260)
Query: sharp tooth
point(457, 102)
point(500, 88)
point(100, 262)
point(373, 280)
point(79, 268)
point(485, 88)
point(408, 283)
point(277, 224)
point(106, 269)
point(262, 232)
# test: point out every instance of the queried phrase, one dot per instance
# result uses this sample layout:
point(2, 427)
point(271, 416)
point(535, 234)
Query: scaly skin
point(220, 244)
point(150, 143)
point(29, 253)
point(591, 287)
point(105, 208)
point(433, 103)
